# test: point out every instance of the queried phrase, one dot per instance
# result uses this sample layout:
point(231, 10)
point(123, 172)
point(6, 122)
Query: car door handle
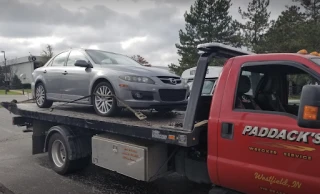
point(45, 71)
point(227, 130)
point(65, 73)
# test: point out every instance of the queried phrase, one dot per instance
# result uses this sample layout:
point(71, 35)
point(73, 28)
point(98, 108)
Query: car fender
point(110, 78)
point(39, 78)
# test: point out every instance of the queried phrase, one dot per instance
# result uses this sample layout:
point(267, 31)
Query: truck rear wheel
point(59, 156)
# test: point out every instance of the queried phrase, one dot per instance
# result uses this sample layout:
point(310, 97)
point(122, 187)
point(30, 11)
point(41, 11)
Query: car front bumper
point(140, 95)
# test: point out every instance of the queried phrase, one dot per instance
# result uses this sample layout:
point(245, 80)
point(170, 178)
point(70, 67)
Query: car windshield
point(207, 86)
point(316, 60)
point(105, 58)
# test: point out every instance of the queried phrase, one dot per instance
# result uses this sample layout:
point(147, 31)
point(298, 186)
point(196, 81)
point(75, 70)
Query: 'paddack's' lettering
point(282, 134)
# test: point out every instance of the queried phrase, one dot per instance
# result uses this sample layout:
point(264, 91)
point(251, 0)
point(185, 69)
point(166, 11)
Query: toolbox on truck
point(141, 160)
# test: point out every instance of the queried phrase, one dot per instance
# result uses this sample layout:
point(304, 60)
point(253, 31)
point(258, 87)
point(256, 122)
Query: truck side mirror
point(309, 114)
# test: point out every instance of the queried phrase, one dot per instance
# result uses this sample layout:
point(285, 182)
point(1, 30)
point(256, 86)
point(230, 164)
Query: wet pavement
point(21, 172)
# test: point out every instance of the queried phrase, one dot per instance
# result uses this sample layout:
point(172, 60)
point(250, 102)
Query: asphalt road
point(21, 172)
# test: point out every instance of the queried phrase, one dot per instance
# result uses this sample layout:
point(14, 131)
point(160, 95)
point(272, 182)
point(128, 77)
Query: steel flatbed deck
point(157, 126)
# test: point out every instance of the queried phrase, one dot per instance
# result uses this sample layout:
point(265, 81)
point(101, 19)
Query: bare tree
point(140, 60)
point(11, 72)
point(47, 52)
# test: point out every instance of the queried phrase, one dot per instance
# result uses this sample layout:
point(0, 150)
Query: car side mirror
point(309, 114)
point(83, 63)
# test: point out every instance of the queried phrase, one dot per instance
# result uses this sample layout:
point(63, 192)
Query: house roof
point(22, 60)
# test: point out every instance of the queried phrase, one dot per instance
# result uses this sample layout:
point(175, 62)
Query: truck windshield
point(316, 60)
point(105, 58)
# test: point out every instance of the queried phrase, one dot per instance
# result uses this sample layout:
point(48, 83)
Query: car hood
point(142, 71)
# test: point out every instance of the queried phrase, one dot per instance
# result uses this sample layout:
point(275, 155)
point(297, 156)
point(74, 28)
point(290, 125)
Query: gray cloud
point(23, 29)
point(27, 25)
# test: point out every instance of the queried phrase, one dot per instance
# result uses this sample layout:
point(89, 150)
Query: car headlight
point(139, 79)
point(184, 81)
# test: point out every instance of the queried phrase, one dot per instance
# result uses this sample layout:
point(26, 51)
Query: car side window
point(60, 59)
point(272, 88)
point(74, 56)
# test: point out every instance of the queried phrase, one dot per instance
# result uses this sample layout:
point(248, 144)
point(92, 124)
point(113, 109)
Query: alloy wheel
point(104, 102)
point(40, 95)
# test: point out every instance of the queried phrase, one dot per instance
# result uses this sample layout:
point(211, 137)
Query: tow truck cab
point(266, 140)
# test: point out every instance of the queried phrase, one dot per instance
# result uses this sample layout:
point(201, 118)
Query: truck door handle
point(65, 73)
point(227, 130)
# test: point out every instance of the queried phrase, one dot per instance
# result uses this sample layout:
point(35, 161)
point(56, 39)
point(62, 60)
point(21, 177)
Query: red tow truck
point(257, 133)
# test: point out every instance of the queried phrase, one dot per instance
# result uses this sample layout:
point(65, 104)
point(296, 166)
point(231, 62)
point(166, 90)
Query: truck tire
point(41, 96)
point(59, 156)
point(110, 107)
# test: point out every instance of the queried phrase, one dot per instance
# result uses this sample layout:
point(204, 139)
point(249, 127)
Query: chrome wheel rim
point(104, 102)
point(58, 153)
point(40, 95)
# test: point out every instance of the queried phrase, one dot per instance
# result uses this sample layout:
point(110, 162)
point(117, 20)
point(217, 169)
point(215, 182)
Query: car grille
point(172, 95)
point(170, 80)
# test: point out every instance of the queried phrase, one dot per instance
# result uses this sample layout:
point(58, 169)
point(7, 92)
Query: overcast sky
point(146, 27)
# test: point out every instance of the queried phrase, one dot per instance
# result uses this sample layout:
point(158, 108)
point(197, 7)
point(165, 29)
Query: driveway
point(11, 97)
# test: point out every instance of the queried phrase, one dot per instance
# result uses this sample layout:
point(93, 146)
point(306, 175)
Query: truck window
point(295, 85)
point(275, 88)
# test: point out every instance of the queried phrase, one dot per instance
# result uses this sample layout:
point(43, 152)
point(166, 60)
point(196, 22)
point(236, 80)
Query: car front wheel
point(105, 105)
point(41, 96)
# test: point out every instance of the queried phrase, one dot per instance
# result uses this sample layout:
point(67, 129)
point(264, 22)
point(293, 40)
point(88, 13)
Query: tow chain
point(138, 114)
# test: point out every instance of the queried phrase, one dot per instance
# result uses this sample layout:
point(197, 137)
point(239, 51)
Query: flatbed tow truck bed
point(157, 126)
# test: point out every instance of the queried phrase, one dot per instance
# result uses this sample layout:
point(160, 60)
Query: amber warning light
point(305, 52)
point(310, 112)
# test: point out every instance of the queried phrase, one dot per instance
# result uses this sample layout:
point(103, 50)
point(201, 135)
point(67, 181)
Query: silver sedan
point(77, 73)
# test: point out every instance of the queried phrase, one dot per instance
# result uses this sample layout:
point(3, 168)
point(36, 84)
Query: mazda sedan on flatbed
point(78, 73)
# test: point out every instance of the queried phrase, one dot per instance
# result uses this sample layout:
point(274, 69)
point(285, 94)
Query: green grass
point(27, 90)
point(294, 97)
point(3, 92)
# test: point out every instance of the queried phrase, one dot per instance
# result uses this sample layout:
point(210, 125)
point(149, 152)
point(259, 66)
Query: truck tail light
point(310, 112)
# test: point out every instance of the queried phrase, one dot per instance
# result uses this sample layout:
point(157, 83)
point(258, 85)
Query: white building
point(23, 66)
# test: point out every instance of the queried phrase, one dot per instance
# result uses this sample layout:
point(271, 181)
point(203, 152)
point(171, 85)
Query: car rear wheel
point(41, 96)
point(105, 105)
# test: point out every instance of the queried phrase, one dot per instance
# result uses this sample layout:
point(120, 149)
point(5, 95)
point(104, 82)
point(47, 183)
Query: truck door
point(261, 149)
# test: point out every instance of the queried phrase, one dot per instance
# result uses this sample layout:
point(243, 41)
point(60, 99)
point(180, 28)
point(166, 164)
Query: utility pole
point(5, 71)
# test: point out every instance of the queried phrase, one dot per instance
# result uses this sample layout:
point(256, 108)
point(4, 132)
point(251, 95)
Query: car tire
point(41, 96)
point(164, 110)
point(110, 107)
point(59, 156)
